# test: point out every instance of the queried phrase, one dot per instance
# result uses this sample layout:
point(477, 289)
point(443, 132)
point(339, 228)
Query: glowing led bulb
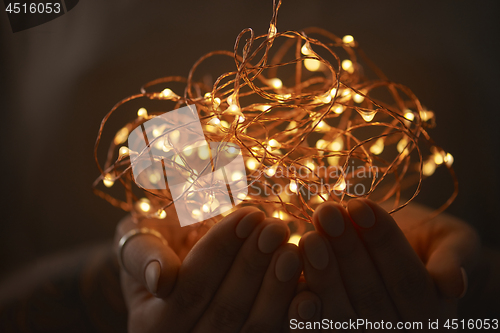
point(438, 157)
point(322, 126)
point(121, 136)
point(347, 39)
point(348, 66)
point(271, 171)
point(321, 144)
point(367, 115)
point(276, 83)
point(402, 144)
point(448, 159)
point(333, 92)
point(263, 107)
point(224, 124)
point(295, 239)
point(358, 98)
point(429, 167)
point(326, 98)
point(216, 103)
point(142, 113)
point(272, 31)
point(273, 144)
point(279, 214)
point(378, 147)
point(310, 165)
point(426, 115)
point(292, 127)
point(337, 144)
point(293, 186)
point(196, 213)
point(233, 109)
point(123, 151)
point(338, 109)
point(237, 175)
point(252, 163)
point(144, 205)
point(231, 99)
point(409, 115)
point(108, 180)
point(203, 152)
point(306, 49)
point(214, 121)
point(161, 214)
point(312, 65)
point(167, 93)
point(340, 185)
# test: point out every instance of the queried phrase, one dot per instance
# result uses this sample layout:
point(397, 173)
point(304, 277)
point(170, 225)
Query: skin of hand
point(240, 276)
point(362, 264)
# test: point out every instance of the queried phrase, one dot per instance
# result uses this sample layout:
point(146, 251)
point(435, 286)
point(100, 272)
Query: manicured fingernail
point(361, 213)
point(287, 265)
point(465, 281)
point(248, 223)
point(307, 309)
point(271, 237)
point(152, 276)
point(331, 220)
point(316, 251)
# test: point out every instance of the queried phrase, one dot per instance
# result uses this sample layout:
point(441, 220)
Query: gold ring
point(131, 234)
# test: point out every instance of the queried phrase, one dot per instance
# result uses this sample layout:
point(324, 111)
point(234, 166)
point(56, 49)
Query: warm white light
point(121, 136)
point(263, 107)
point(108, 180)
point(274, 144)
point(144, 205)
point(409, 115)
point(321, 144)
point(214, 121)
point(333, 92)
point(161, 214)
point(168, 94)
point(428, 168)
point(295, 239)
point(272, 31)
point(347, 39)
point(276, 83)
point(312, 65)
point(347, 66)
point(367, 115)
point(337, 144)
point(142, 113)
point(293, 186)
point(252, 163)
point(378, 147)
point(124, 151)
point(448, 159)
point(402, 144)
point(270, 171)
point(338, 109)
point(358, 98)
point(340, 185)
point(438, 157)
point(203, 152)
point(237, 175)
point(306, 49)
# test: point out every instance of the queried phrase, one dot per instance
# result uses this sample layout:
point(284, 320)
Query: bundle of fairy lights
point(307, 120)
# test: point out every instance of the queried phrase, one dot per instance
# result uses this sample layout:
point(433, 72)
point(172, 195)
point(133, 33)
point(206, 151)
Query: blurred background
point(60, 78)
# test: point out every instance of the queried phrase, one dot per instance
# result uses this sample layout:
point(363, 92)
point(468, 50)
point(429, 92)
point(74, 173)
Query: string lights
point(311, 126)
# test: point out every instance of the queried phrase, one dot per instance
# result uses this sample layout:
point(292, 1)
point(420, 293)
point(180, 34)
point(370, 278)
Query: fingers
point(360, 277)
point(323, 277)
point(402, 271)
point(206, 265)
point(305, 307)
point(233, 301)
point(270, 309)
point(150, 261)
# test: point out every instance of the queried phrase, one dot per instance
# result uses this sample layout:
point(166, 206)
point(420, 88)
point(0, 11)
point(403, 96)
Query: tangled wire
point(310, 125)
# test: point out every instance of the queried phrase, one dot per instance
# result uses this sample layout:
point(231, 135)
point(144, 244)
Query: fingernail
point(316, 251)
point(271, 237)
point(331, 220)
point(361, 213)
point(248, 223)
point(287, 265)
point(465, 281)
point(307, 309)
point(152, 276)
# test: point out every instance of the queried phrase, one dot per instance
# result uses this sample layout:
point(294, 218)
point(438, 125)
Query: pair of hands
point(244, 276)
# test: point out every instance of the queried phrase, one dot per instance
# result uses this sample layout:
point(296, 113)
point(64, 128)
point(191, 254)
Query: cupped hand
point(240, 276)
point(363, 266)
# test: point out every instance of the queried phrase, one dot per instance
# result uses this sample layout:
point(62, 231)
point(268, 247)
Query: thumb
point(146, 257)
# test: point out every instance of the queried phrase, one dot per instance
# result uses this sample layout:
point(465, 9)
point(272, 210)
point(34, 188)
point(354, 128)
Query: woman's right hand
point(240, 276)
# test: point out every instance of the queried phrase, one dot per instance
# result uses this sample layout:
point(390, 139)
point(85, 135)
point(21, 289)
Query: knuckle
point(224, 316)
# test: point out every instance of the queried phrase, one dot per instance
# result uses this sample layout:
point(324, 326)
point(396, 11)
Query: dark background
point(59, 79)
